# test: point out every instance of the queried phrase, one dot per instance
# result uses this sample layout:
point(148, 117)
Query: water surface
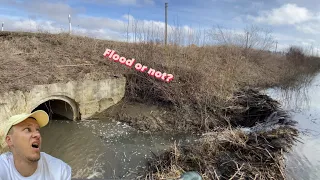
point(106, 149)
point(303, 104)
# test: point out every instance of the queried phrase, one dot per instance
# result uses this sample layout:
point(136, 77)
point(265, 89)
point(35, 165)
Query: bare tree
point(259, 38)
point(252, 37)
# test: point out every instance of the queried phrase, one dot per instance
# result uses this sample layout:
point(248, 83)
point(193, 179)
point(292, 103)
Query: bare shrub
point(201, 98)
point(253, 37)
point(295, 55)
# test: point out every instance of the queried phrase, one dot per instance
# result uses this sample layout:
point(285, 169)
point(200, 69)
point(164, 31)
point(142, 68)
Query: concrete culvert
point(59, 108)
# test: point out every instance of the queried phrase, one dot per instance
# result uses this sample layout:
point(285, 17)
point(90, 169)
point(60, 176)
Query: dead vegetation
point(230, 154)
point(211, 93)
point(35, 58)
point(250, 146)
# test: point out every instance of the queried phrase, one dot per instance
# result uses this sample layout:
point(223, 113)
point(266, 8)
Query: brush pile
point(252, 147)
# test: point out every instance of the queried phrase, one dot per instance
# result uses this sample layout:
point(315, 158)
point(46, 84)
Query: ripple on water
point(103, 149)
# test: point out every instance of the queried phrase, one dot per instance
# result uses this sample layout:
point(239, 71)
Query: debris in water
point(252, 148)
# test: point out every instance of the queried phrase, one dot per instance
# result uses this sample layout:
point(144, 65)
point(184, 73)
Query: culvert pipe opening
point(57, 109)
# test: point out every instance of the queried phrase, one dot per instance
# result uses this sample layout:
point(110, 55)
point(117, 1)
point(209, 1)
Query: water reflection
point(303, 103)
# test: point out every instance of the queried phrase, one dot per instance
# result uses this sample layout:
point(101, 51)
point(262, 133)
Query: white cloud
point(301, 18)
point(16, 24)
point(98, 27)
point(286, 14)
point(285, 41)
point(90, 22)
point(128, 17)
point(310, 28)
point(53, 16)
point(39, 9)
point(100, 34)
point(57, 11)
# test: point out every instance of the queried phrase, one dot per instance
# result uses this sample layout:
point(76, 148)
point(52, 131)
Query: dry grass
point(205, 78)
point(230, 154)
point(206, 94)
point(235, 153)
point(34, 58)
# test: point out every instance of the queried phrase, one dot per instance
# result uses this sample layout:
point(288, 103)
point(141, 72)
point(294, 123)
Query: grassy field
point(211, 93)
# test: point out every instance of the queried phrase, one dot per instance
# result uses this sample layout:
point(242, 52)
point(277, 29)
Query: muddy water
point(112, 150)
point(103, 149)
point(303, 103)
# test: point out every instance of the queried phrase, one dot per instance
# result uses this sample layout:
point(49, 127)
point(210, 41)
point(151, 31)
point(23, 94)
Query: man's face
point(25, 140)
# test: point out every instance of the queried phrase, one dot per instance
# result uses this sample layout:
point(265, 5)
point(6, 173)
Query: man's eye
point(28, 129)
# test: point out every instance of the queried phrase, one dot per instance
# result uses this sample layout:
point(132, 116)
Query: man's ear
point(9, 140)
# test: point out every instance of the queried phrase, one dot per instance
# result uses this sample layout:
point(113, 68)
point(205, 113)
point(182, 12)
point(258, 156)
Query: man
point(21, 134)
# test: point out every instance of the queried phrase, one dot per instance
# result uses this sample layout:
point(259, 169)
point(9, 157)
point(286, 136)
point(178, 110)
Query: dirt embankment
point(211, 93)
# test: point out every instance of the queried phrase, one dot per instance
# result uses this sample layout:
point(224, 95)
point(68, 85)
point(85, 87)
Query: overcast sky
point(294, 22)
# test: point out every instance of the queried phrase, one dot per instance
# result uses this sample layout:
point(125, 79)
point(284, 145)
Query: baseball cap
point(40, 116)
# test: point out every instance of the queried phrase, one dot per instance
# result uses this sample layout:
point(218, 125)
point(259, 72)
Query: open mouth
point(35, 145)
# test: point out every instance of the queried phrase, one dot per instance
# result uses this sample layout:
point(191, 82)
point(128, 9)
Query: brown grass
point(233, 152)
point(34, 58)
point(230, 154)
point(205, 78)
point(206, 94)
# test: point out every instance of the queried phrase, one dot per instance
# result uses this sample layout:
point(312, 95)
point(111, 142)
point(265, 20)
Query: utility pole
point(69, 24)
point(247, 39)
point(2, 26)
point(276, 46)
point(166, 23)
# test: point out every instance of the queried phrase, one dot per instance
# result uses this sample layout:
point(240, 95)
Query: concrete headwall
point(85, 97)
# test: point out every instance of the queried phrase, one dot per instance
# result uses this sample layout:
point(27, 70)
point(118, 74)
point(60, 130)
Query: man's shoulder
point(52, 160)
point(5, 164)
point(56, 166)
point(5, 157)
